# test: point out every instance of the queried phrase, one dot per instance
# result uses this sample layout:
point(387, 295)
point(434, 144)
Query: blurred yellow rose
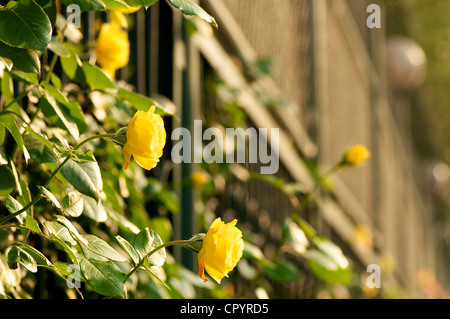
point(199, 179)
point(356, 155)
point(113, 48)
point(221, 250)
point(146, 138)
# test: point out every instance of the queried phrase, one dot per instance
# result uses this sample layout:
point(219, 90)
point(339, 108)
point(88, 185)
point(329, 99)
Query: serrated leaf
point(39, 152)
point(72, 204)
point(25, 60)
point(36, 254)
point(138, 3)
point(68, 111)
point(101, 248)
point(84, 177)
point(104, 277)
point(60, 232)
point(54, 112)
point(86, 5)
point(18, 255)
point(73, 231)
point(145, 242)
point(114, 4)
point(128, 248)
point(50, 196)
point(25, 25)
point(12, 205)
point(192, 9)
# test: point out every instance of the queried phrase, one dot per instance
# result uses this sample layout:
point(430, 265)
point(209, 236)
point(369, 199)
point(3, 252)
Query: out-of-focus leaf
point(281, 271)
point(192, 9)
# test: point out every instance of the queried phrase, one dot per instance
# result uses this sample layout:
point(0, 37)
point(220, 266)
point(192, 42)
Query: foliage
point(73, 219)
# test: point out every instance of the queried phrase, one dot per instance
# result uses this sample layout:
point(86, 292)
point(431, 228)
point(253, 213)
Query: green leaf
point(101, 248)
point(60, 232)
point(39, 152)
point(96, 78)
point(12, 205)
point(18, 255)
point(50, 196)
point(328, 263)
point(31, 223)
point(82, 157)
point(57, 115)
point(86, 5)
point(13, 257)
point(72, 68)
point(25, 60)
point(72, 230)
point(145, 242)
point(25, 25)
point(140, 102)
point(138, 3)
point(70, 110)
point(129, 249)
point(36, 254)
point(104, 277)
point(7, 121)
point(169, 200)
point(72, 204)
point(114, 4)
point(192, 9)
point(94, 210)
point(58, 48)
point(282, 271)
point(7, 182)
point(85, 177)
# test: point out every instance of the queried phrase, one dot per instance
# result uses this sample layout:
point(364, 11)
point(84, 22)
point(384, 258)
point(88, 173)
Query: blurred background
point(314, 69)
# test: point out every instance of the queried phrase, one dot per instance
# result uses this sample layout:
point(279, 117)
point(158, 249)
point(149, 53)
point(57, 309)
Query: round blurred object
point(406, 63)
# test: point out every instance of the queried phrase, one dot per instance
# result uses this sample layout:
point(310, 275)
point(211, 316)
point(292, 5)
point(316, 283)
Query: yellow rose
point(113, 48)
point(356, 155)
point(146, 138)
point(199, 179)
point(221, 250)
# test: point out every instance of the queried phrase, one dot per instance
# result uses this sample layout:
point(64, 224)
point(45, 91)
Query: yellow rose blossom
point(119, 18)
point(199, 179)
point(356, 155)
point(146, 138)
point(221, 250)
point(113, 48)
